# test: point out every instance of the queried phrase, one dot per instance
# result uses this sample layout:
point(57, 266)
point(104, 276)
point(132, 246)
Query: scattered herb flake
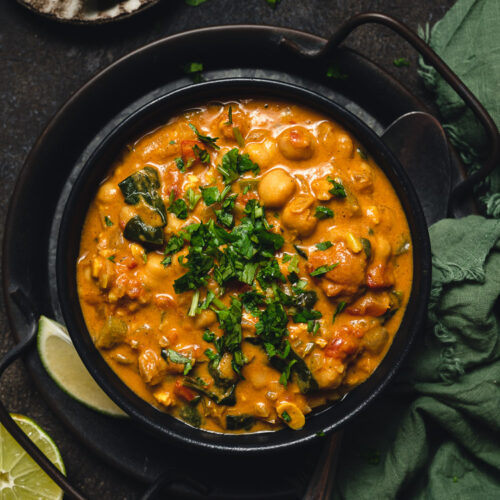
point(108, 221)
point(229, 116)
point(238, 137)
point(324, 245)
point(166, 261)
point(205, 139)
point(112, 258)
point(400, 62)
point(194, 69)
point(362, 154)
point(286, 417)
point(338, 189)
point(176, 357)
point(179, 209)
point(323, 213)
point(324, 269)
point(334, 71)
point(301, 252)
point(192, 198)
point(340, 307)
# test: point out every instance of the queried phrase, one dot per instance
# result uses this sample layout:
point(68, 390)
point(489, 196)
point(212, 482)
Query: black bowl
point(157, 112)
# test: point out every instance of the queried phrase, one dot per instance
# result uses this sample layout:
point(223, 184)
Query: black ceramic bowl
point(157, 112)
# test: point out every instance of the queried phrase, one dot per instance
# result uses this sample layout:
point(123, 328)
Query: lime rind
point(63, 364)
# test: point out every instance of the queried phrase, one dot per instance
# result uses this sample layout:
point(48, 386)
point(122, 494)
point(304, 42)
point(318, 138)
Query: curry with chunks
point(243, 264)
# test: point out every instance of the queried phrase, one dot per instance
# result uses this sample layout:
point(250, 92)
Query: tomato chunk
point(184, 392)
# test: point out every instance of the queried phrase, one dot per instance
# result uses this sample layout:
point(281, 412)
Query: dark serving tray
point(43, 185)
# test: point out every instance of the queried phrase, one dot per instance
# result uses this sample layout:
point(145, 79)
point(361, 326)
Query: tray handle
point(442, 68)
point(21, 300)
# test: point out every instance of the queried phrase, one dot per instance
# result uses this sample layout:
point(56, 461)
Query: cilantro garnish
point(176, 357)
point(166, 261)
point(238, 137)
point(340, 307)
point(205, 139)
point(192, 198)
point(273, 4)
point(362, 154)
point(234, 164)
point(334, 71)
point(201, 154)
point(229, 116)
point(324, 245)
point(323, 212)
point(208, 336)
point(179, 209)
point(112, 258)
point(194, 69)
point(400, 62)
point(324, 269)
point(108, 221)
point(286, 417)
point(301, 252)
point(338, 189)
point(181, 164)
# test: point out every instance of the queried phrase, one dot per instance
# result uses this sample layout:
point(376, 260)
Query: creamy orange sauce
point(143, 327)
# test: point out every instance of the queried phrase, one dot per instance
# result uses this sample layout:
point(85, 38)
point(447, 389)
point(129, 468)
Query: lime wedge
point(20, 476)
point(64, 365)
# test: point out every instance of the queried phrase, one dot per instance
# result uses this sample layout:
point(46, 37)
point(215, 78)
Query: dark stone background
point(42, 63)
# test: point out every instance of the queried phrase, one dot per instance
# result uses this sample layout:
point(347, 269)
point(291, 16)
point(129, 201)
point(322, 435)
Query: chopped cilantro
point(286, 417)
point(108, 221)
point(286, 258)
point(338, 189)
point(234, 164)
point(176, 357)
point(205, 139)
point(367, 247)
point(229, 116)
point(194, 69)
point(145, 257)
point(201, 154)
point(179, 209)
point(166, 261)
point(238, 137)
point(208, 336)
point(334, 71)
point(192, 198)
point(210, 195)
point(172, 142)
point(340, 307)
point(194, 304)
point(112, 258)
point(400, 62)
point(293, 267)
point(324, 245)
point(320, 434)
point(285, 374)
point(273, 4)
point(324, 269)
point(323, 212)
point(362, 154)
point(301, 252)
point(181, 164)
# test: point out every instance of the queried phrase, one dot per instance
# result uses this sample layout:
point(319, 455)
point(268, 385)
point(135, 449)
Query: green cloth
point(435, 434)
point(468, 39)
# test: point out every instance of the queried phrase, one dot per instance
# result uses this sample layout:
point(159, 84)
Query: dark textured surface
point(44, 63)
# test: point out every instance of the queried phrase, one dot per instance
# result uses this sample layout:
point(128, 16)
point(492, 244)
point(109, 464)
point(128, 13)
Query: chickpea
point(126, 213)
point(296, 143)
point(154, 273)
point(291, 414)
point(276, 188)
point(107, 193)
point(362, 177)
point(344, 147)
point(262, 153)
point(298, 215)
point(205, 319)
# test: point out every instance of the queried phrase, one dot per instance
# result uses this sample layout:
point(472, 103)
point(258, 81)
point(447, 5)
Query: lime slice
point(20, 475)
point(64, 365)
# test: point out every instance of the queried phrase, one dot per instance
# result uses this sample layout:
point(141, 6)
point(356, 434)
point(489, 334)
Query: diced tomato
point(341, 348)
point(184, 392)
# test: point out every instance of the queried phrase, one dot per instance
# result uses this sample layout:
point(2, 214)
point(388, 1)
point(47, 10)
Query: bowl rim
point(161, 423)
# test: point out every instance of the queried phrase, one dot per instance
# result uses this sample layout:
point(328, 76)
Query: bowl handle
point(10, 425)
point(442, 68)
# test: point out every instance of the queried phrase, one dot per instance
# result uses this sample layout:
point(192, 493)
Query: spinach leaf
point(144, 185)
point(243, 421)
point(191, 415)
point(137, 230)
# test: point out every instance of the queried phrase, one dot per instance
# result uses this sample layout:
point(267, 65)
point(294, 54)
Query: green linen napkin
point(436, 433)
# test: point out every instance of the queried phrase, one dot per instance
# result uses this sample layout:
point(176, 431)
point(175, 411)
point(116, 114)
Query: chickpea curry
point(244, 264)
